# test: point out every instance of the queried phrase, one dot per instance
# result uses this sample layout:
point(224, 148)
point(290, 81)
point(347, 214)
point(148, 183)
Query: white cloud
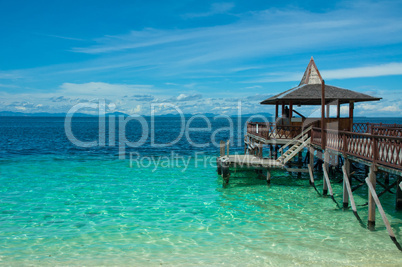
point(393, 68)
point(137, 109)
point(185, 97)
point(268, 33)
point(393, 108)
point(368, 71)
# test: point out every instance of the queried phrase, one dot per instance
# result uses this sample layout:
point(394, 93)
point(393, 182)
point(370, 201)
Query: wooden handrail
point(301, 115)
point(359, 134)
point(294, 140)
point(384, 150)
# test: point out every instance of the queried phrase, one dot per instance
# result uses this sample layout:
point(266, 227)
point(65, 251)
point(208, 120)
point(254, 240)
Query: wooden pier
point(336, 142)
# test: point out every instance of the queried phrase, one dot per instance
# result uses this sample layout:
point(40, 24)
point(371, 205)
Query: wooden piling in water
point(300, 163)
point(310, 171)
point(349, 189)
point(219, 166)
point(268, 177)
point(311, 163)
point(326, 177)
point(398, 204)
point(346, 180)
point(377, 202)
point(270, 151)
point(371, 202)
point(325, 167)
point(225, 172)
point(222, 148)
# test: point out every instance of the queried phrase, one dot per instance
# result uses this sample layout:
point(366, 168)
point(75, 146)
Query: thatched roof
point(309, 91)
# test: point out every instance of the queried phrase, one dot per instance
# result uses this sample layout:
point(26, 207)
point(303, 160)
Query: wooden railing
point(386, 131)
point(273, 131)
point(381, 149)
point(378, 128)
point(378, 143)
point(361, 127)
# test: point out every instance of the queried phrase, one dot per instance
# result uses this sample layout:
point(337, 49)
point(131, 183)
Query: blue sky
point(203, 56)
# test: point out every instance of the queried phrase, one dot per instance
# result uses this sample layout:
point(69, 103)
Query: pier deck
point(329, 140)
point(248, 161)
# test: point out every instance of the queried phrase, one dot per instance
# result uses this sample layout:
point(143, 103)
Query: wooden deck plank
point(251, 161)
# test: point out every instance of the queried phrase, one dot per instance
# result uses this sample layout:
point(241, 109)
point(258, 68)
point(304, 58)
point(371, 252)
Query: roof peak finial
point(312, 74)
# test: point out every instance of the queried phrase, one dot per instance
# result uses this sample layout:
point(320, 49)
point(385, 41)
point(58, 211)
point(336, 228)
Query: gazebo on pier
point(309, 92)
point(332, 141)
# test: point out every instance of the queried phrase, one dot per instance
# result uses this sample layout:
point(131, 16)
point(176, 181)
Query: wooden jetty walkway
point(328, 141)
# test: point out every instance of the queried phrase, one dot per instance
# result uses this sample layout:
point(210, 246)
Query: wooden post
point(371, 203)
point(351, 107)
point(325, 170)
point(322, 114)
point(338, 109)
point(326, 178)
point(270, 151)
point(227, 148)
point(346, 174)
point(222, 148)
point(312, 156)
point(310, 171)
point(381, 210)
point(219, 166)
point(275, 151)
point(311, 164)
point(328, 109)
point(299, 163)
point(398, 205)
point(225, 172)
point(246, 142)
point(290, 110)
point(261, 149)
point(386, 179)
point(348, 187)
point(366, 170)
point(268, 177)
point(276, 110)
point(283, 109)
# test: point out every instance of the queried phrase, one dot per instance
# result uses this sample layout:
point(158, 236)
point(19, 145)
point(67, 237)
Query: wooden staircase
point(295, 146)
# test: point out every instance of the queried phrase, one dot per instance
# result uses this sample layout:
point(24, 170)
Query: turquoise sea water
point(90, 208)
point(82, 211)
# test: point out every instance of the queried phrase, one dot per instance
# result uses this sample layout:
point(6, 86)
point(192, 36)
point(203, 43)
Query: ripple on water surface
point(89, 211)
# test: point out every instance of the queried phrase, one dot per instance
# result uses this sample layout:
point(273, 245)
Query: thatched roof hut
point(309, 92)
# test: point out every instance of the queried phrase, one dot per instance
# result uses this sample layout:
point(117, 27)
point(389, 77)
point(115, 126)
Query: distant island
point(46, 114)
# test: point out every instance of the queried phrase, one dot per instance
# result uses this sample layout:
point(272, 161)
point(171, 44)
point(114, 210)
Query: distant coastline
point(46, 114)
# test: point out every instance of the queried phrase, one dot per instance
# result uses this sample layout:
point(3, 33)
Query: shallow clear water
point(83, 211)
point(64, 205)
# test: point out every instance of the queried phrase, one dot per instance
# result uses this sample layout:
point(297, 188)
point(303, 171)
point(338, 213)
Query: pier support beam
point(299, 163)
point(225, 172)
point(222, 148)
point(398, 205)
point(268, 177)
point(326, 166)
point(219, 166)
point(345, 189)
point(311, 154)
point(371, 203)
point(270, 151)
